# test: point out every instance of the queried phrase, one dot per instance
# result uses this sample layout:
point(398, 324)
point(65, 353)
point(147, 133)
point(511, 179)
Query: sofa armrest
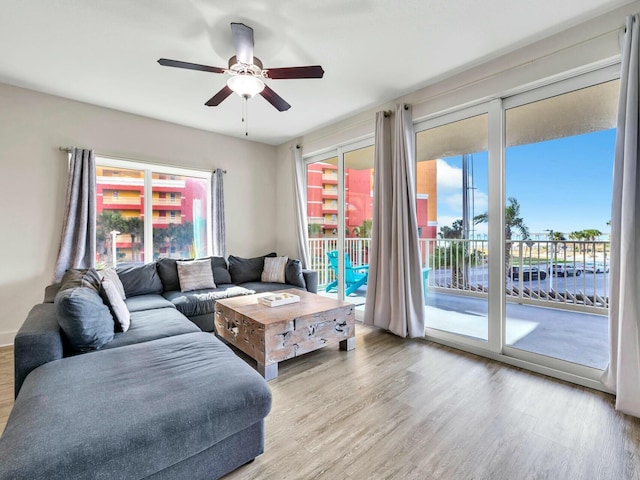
point(311, 280)
point(38, 341)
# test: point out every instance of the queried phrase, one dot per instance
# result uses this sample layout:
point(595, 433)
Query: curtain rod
point(70, 149)
point(388, 113)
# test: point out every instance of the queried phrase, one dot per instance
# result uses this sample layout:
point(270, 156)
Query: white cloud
point(448, 177)
point(452, 203)
point(481, 202)
point(446, 220)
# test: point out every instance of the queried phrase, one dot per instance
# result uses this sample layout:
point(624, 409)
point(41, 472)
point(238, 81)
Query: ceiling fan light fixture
point(245, 85)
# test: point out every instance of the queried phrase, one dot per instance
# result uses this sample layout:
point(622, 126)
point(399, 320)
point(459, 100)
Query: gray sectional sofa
point(161, 400)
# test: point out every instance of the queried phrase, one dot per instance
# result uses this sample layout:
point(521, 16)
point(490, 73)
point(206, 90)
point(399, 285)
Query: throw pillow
point(293, 274)
point(88, 278)
point(113, 299)
point(274, 270)
point(195, 275)
point(220, 271)
point(245, 270)
point(84, 318)
point(139, 279)
point(111, 275)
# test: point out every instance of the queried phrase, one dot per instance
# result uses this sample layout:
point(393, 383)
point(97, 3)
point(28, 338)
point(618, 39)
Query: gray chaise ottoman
point(177, 407)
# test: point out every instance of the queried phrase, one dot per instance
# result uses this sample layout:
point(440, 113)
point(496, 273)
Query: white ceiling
point(105, 52)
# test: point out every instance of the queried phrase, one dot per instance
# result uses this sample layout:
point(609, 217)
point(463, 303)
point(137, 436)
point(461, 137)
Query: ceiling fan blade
point(312, 71)
point(243, 41)
point(191, 66)
point(219, 97)
point(274, 99)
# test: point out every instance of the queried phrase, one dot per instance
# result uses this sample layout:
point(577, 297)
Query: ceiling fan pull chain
point(245, 115)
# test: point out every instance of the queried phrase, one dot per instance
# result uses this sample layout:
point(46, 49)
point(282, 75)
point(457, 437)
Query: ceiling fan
point(247, 73)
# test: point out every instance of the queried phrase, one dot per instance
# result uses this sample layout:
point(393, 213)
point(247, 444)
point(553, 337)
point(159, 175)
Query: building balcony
point(123, 202)
point(167, 202)
point(167, 221)
point(330, 178)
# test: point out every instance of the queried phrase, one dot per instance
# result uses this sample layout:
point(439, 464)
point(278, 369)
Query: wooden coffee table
point(272, 334)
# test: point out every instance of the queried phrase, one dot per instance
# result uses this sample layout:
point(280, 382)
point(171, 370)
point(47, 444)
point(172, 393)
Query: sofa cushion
point(168, 273)
point(220, 270)
point(111, 275)
point(147, 302)
point(88, 278)
point(140, 279)
point(293, 274)
point(261, 287)
point(195, 275)
point(112, 298)
point(110, 424)
point(84, 318)
point(274, 268)
point(201, 302)
point(247, 269)
point(150, 325)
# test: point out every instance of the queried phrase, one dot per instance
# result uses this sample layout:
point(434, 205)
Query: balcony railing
point(560, 274)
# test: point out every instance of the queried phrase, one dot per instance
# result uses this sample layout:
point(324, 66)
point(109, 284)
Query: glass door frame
point(565, 369)
point(496, 347)
point(339, 153)
point(495, 224)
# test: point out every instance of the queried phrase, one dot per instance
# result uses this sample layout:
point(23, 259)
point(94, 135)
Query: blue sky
point(563, 184)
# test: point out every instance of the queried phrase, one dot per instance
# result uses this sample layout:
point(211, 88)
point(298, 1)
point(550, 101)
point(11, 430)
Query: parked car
point(591, 267)
point(565, 270)
point(528, 273)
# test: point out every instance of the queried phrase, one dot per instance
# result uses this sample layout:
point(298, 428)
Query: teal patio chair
point(355, 277)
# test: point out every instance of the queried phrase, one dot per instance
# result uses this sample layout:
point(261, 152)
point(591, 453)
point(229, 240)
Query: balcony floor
point(576, 337)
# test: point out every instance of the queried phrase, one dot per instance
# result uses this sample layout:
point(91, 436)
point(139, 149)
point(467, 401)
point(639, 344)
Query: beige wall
point(594, 42)
point(33, 182)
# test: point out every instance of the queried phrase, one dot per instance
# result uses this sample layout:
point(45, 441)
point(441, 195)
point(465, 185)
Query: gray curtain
point(78, 239)
point(394, 289)
point(219, 246)
point(623, 372)
point(300, 191)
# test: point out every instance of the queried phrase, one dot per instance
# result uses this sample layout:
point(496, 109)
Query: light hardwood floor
point(409, 409)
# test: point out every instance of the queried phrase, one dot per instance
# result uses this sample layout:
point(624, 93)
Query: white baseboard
point(6, 338)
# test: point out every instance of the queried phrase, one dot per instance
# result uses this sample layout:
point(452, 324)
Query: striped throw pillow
point(274, 269)
point(195, 275)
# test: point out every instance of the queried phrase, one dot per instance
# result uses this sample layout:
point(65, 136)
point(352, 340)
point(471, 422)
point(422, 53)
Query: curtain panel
point(623, 372)
point(78, 238)
point(300, 206)
point(218, 226)
point(394, 298)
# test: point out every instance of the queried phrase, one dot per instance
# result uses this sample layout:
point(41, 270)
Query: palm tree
point(512, 222)
point(315, 229)
point(182, 235)
point(364, 230)
point(133, 226)
point(106, 222)
point(453, 231)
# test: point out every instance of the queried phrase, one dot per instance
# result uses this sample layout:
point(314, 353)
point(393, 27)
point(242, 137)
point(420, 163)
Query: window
point(143, 227)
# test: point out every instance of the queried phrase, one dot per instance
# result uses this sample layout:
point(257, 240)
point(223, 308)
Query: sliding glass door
point(339, 214)
point(559, 163)
point(451, 196)
point(514, 200)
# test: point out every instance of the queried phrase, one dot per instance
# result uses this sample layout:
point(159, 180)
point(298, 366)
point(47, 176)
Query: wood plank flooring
point(409, 409)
